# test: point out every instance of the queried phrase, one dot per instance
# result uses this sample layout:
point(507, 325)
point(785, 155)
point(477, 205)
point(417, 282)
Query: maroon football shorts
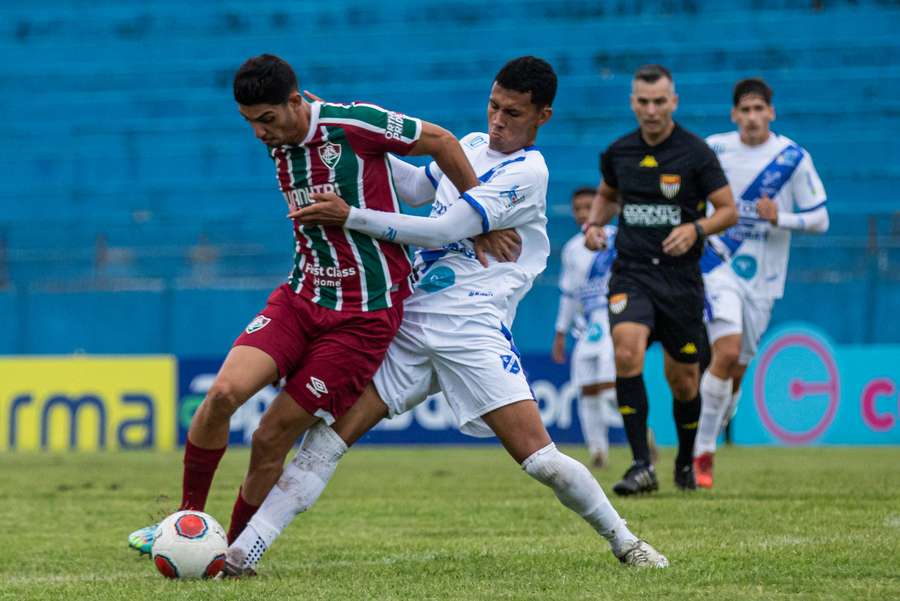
point(326, 356)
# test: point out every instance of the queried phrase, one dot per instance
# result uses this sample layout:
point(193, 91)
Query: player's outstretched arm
point(444, 148)
point(459, 222)
point(603, 209)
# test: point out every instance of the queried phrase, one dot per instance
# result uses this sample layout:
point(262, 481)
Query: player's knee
point(684, 386)
point(727, 357)
point(266, 447)
point(222, 399)
point(628, 358)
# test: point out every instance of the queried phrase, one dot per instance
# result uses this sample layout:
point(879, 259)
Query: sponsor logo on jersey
point(688, 349)
point(744, 266)
point(651, 215)
point(258, 323)
point(394, 129)
point(330, 154)
point(618, 302)
point(437, 278)
point(510, 363)
point(299, 197)
point(321, 274)
point(669, 184)
point(512, 196)
point(476, 142)
point(648, 161)
point(316, 387)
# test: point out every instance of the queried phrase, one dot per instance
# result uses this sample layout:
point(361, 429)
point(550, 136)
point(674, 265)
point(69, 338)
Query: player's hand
point(767, 209)
point(559, 348)
point(310, 96)
point(680, 240)
point(595, 237)
point(503, 245)
point(327, 209)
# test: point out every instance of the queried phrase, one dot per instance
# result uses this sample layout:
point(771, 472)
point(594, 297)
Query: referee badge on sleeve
point(669, 185)
point(618, 302)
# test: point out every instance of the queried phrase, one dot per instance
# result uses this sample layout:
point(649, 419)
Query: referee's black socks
point(631, 394)
point(687, 418)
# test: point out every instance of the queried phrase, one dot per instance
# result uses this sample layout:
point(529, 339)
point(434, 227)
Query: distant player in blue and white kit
point(777, 190)
point(583, 285)
point(455, 333)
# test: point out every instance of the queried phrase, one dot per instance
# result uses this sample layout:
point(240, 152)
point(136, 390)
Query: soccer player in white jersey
point(582, 309)
point(455, 333)
point(777, 191)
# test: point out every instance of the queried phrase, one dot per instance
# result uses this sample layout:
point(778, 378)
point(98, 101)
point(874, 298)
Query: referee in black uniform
point(658, 179)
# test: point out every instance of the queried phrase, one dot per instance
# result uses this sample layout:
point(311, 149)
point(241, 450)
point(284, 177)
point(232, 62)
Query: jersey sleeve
point(806, 186)
point(607, 170)
point(515, 195)
point(371, 129)
point(710, 175)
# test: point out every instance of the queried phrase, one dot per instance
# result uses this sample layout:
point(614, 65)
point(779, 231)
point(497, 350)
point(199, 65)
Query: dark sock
point(240, 515)
point(687, 416)
point(199, 468)
point(631, 395)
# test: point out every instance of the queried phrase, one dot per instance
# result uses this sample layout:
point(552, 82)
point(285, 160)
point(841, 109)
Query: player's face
point(513, 120)
point(653, 104)
point(581, 207)
point(275, 124)
point(753, 116)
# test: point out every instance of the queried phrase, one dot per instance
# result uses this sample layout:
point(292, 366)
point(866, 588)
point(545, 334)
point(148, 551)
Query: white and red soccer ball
point(189, 544)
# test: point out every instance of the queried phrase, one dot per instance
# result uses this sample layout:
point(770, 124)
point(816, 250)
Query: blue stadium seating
point(121, 134)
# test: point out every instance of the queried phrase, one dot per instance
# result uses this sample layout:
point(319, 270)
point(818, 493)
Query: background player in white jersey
point(455, 333)
point(582, 309)
point(777, 190)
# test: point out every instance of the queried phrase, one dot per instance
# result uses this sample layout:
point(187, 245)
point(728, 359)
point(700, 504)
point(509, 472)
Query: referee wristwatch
point(699, 229)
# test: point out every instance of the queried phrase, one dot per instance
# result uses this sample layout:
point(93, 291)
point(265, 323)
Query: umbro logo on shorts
point(317, 387)
point(258, 323)
point(510, 363)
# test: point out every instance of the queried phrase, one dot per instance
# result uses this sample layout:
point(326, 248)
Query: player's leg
point(683, 379)
point(406, 371)
point(283, 423)
point(724, 310)
point(592, 414)
point(245, 371)
point(519, 428)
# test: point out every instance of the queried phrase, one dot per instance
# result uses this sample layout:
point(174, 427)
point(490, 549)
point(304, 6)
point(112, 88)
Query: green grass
point(462, 523)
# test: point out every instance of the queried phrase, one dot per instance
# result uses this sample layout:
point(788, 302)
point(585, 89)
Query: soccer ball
point(189, 544)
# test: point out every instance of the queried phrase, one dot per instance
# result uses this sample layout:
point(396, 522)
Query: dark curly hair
point(264, 79)
point(529, 74)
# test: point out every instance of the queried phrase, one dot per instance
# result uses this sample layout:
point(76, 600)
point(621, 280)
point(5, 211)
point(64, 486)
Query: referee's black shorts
point(666, 298)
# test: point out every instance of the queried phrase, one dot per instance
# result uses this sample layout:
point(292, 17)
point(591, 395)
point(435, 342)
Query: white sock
point(593, 424)
point(577, 489)
point(732, 408)
point(715, 394)
point(300, 485)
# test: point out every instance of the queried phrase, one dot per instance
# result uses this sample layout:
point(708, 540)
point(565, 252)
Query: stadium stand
point(128, 169)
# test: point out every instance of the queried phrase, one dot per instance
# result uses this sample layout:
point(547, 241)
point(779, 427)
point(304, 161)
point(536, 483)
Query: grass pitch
point(464, 523)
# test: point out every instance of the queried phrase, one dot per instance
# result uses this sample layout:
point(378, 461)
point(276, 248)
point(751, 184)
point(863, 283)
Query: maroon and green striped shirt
point(344, 153)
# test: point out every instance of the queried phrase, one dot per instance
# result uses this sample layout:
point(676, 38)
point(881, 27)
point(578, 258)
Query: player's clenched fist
point(594, 236)
point(328, 209)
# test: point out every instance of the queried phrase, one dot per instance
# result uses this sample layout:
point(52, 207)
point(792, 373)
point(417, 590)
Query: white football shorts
point(593, 358)
point(730, 309)
point(475, 365)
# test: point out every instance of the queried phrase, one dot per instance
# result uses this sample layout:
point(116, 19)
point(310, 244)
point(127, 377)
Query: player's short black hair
point(752, 85)
point(653, 73)
point(529, 74)
point(264, 79)
point(584, 190)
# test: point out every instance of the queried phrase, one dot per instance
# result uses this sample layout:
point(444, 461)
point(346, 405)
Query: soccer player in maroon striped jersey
point(324, 332)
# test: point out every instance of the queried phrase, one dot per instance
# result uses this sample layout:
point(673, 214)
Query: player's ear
point(734, 114)
point(772, 109)
point(674, 102)
point(544, 115)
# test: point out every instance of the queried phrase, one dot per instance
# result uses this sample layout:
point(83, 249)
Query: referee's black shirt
point(659, 188)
